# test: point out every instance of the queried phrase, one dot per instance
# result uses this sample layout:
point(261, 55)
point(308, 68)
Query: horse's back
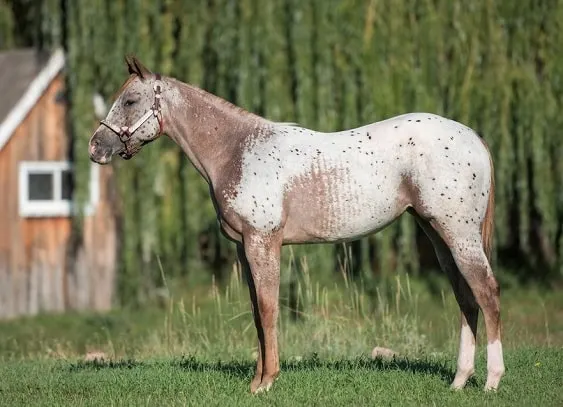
point(363, 178)
point(343, 185)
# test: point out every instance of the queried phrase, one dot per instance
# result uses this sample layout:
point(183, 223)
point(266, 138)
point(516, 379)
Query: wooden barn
point(43, 266)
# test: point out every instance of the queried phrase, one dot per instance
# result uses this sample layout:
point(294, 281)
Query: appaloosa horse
point(274, 184)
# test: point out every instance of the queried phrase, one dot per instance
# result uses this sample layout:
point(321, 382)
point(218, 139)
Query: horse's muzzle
point(100, 157)
point(99, 151)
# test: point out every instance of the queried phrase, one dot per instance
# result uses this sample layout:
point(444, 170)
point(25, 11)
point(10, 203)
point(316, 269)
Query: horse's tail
point(487, 227)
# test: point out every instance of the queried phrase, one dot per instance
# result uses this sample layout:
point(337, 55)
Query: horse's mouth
point(127, 154)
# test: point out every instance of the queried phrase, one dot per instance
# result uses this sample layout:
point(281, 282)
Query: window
point(45, 188)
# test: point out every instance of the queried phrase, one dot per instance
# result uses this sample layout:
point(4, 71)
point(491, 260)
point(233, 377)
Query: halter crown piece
point(125, 132)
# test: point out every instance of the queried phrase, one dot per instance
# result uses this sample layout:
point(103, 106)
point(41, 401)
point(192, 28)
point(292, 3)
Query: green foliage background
point(494, 65)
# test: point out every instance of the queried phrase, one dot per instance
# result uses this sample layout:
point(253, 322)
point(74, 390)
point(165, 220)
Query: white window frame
point(56, 207)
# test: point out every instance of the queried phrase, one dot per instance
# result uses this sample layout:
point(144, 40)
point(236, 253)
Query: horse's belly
point(305, 233)
point(342, 211)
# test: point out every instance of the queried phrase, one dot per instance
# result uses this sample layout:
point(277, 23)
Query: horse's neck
point(211, 131)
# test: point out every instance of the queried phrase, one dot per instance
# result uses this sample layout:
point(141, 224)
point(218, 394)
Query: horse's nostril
point(92, 149)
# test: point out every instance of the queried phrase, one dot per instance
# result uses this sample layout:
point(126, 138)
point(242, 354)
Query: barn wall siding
point(35, 274)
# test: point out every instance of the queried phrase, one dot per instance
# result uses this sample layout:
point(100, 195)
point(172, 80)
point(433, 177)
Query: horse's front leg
point(262, 258)
point(253, 301)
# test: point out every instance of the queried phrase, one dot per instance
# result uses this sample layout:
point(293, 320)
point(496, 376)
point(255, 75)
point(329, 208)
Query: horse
point(274, 184)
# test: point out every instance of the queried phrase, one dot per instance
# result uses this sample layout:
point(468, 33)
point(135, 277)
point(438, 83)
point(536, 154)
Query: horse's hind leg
point(466, 248)
point(467, 304)
point(468, 253)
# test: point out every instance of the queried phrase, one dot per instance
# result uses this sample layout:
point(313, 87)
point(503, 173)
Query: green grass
point(199, 350)
point(533, 379)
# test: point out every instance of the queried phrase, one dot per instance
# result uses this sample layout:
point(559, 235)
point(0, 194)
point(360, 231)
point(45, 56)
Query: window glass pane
point(40, 186)
point(66, 187)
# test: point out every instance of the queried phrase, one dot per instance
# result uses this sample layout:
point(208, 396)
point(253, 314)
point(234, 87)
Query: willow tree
point(328, 65)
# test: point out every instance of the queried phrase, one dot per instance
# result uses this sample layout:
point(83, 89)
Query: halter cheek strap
point(126, 132)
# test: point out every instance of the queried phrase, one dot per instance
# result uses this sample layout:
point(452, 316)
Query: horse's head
point(134, 120)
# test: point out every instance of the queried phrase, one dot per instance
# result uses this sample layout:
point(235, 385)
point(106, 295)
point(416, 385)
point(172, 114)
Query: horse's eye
point(129, 102)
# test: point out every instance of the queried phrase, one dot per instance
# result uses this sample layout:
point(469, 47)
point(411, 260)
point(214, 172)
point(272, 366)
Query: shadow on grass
point(245, 369)
point(97, 364)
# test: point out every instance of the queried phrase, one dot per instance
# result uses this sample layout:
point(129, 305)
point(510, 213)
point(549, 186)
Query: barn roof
point(24, 75)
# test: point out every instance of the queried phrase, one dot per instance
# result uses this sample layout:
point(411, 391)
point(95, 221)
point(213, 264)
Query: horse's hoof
point(491, 387)
point(263, 386)
point(255, 385)
point(493, 379)
point(461, 378)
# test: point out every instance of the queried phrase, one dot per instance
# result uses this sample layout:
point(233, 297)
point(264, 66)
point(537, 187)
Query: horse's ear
point(136, 67)
point(130, 64)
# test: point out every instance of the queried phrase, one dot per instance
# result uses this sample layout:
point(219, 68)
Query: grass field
point(533, 379)
point(199, 350)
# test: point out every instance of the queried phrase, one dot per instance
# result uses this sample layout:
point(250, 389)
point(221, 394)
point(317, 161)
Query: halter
point(126, 132)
